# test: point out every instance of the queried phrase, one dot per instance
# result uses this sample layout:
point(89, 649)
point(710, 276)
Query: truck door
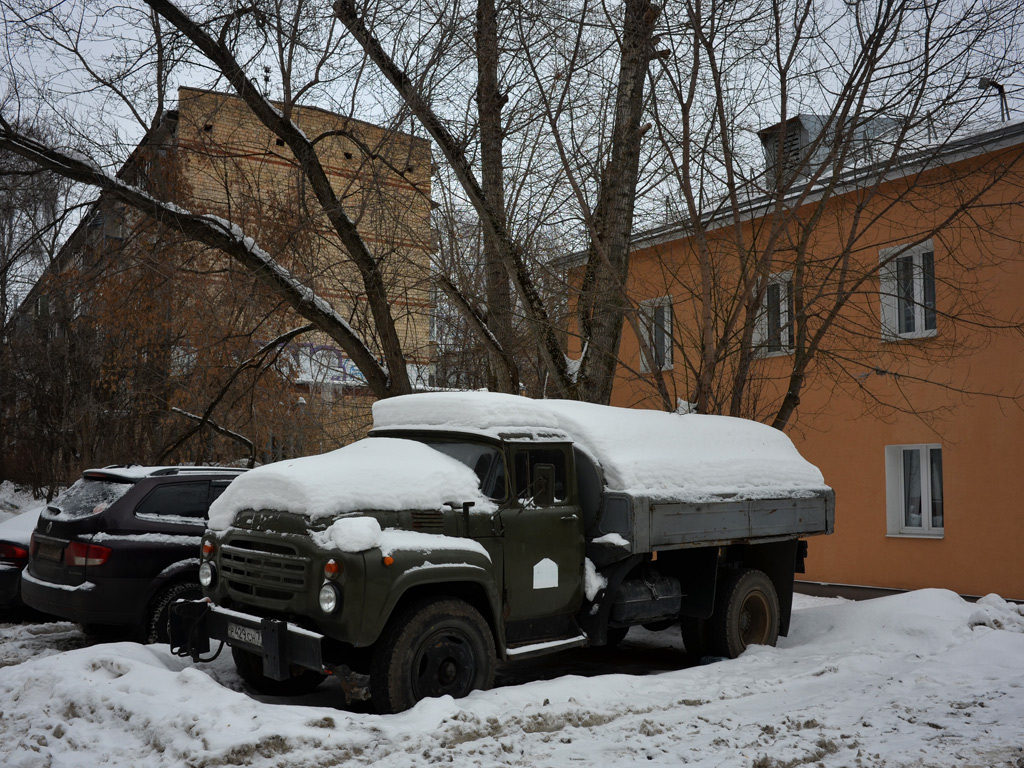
point(543, 542)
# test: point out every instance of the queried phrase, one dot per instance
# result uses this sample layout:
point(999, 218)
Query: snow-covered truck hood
point(654, 454)
point(378, 473)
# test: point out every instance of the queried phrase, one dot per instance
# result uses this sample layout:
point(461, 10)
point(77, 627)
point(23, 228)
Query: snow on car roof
point(648, 453)
point(378, 473)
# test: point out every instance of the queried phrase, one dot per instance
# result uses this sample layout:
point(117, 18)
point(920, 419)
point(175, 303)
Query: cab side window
point(526, 464)
point(190, 500)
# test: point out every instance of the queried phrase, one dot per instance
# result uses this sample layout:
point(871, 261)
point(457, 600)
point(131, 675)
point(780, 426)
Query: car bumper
point(281, 644)
point(87, 603)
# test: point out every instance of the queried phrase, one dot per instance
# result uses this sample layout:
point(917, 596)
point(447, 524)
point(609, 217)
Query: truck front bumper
point(281, 644)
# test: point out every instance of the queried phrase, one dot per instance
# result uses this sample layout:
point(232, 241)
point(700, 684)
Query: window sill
point(940, 535)
point(895, 338)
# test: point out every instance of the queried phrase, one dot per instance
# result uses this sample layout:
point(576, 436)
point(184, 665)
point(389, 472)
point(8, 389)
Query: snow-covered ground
point(921, 679)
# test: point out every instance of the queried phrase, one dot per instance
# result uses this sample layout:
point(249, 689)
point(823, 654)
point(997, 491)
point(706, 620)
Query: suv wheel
point(154, 627)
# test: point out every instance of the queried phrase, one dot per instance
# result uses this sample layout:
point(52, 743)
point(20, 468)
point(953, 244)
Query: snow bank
point(688, 457)
point(994, 612)
point(372, 474)
point(932, 618)
point(890, 683)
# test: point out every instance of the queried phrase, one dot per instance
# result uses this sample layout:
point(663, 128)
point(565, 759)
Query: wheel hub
point(754, 619)
point(445, 664)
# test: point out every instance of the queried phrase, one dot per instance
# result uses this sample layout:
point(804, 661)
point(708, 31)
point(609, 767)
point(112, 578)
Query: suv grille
point(262, 569)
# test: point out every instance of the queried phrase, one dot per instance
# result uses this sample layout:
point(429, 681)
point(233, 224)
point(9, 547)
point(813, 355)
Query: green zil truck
point(475, 527)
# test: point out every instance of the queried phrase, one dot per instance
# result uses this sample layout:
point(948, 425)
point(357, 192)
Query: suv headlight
point(329, 598)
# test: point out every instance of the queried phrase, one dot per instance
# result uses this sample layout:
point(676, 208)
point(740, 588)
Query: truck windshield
point(485, 460)
point(86, 498)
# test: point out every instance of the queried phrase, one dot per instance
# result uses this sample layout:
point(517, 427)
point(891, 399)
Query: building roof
point(987, 141)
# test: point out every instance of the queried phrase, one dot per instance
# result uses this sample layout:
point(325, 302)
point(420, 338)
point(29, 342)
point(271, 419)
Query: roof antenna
point(266, 81)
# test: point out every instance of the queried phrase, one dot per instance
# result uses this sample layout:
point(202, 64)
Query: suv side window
point(217, 487)
point(188, 500)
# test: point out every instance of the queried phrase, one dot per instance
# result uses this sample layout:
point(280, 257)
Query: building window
point(913, 486)
point(656, 324)
point(908, 292)
point(773, 331)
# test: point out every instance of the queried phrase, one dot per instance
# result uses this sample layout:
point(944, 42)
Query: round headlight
point(328, 598)
point(206, 574)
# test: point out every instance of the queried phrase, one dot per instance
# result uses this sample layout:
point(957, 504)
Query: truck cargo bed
point(660, 525)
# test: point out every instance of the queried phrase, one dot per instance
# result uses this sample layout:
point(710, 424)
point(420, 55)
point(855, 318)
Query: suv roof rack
point(186, 470)
point(136, 472)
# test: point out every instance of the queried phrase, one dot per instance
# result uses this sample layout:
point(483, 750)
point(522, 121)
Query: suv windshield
point(485, 460)
point(86, 498)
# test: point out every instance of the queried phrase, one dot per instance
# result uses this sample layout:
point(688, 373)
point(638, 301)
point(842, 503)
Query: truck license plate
point(245, 635)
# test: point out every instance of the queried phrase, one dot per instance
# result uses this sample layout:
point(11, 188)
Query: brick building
point(154, 327)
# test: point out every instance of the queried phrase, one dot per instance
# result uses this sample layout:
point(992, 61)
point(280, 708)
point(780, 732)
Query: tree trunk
point(603, 298)
point(490, 101)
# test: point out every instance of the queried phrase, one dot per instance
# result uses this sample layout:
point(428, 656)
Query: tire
point(154, 626)
point(436, 647)
point(746, 613)
point(250, 668)
point(614, 636)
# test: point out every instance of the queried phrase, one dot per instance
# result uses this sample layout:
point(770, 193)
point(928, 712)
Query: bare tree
point(33, 209)
point(606, 211)
point(231, 45)
point(870, 104)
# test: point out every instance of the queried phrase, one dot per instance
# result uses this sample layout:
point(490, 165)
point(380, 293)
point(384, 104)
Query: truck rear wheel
point(437, 647)
point(746, 613)
point(250, 668)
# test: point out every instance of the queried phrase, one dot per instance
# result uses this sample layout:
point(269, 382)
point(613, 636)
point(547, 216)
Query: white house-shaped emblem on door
point(545, 574)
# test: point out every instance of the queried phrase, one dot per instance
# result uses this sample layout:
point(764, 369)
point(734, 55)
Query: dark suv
point(121, 544)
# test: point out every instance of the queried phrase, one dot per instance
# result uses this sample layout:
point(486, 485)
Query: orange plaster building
point(911, 404)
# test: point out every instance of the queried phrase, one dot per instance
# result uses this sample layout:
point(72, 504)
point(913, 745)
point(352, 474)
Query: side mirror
point(543, 484)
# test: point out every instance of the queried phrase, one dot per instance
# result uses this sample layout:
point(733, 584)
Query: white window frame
point(648, 312)
point(897, 519)
point(907, 292)
point(781, 312)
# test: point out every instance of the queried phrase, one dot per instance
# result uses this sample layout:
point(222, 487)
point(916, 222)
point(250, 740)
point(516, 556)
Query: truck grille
point(263, 569)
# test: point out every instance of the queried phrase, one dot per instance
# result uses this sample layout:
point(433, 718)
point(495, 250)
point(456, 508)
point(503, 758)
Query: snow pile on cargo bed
point(373, 474)
point(659, 455)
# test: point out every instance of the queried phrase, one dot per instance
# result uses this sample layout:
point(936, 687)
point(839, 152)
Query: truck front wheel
point(746, 613)
point(436, 647)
